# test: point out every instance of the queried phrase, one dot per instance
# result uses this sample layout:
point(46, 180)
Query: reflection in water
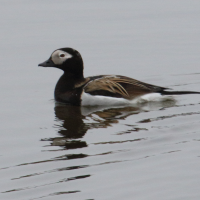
point(73, 126)
point(72, 123)
point(76, 121)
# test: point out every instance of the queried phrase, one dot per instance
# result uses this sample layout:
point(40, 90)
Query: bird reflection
point(74, 121)
point(72, 126)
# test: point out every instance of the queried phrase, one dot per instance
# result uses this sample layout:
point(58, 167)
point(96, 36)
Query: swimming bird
point(73, 88)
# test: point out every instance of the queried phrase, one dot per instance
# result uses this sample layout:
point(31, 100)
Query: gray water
point(54, 151)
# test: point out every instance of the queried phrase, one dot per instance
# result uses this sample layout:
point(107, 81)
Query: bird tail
point(178, 92)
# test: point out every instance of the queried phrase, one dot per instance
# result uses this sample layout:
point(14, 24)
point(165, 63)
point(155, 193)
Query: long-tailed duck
point(72, 88)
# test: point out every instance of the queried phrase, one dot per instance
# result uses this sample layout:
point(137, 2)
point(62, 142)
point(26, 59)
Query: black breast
point(72, 97)
point(65, 91)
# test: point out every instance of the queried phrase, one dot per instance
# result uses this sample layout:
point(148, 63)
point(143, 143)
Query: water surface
point(56, 151)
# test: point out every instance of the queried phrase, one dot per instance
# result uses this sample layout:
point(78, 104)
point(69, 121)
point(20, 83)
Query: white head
point(67, 59)
point(59, 57)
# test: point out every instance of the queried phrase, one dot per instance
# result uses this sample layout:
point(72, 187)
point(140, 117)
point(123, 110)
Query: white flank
point(153, 97)
point(90, 100)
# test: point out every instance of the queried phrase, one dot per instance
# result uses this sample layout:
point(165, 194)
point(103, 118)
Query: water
point(144, 151)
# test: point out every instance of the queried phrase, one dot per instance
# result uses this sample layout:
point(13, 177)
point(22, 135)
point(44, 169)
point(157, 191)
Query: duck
point(74, 89)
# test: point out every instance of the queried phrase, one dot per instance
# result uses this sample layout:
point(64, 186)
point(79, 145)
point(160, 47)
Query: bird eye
point(62, 55)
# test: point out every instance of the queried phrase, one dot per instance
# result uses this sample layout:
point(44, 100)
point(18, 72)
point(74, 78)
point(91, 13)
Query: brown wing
point(119, 86)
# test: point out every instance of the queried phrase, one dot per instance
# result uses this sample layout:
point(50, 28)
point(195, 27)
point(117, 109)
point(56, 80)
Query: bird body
point(72, 88)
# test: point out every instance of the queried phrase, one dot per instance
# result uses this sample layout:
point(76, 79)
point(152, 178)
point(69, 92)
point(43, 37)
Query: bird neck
point(67, 81)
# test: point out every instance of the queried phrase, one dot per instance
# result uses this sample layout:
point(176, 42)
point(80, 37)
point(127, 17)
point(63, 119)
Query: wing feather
point(120, 85)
